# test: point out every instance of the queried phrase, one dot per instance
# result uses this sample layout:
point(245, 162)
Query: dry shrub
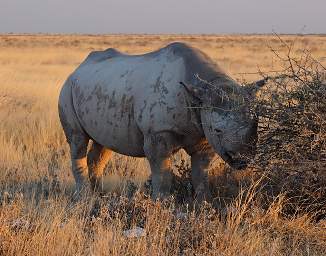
point(292, 134)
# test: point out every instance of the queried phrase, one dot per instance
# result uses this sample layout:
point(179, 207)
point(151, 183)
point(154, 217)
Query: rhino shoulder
point(196, 61)
point(97, 56)
point(187, 51)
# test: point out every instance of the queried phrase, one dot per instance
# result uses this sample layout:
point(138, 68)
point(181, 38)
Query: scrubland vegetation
point(276, 207)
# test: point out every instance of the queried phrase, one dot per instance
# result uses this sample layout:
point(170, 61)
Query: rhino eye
point(218, 131)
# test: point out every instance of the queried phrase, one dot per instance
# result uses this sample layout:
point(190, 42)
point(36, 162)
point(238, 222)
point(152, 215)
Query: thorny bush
point(291, 149)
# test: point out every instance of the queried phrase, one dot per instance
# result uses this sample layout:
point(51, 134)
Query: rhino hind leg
point(78, 151)
point(158, 149)
point(97, 158)
point(76, 138)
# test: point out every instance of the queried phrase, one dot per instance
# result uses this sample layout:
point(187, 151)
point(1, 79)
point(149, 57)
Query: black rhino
point(151, 106)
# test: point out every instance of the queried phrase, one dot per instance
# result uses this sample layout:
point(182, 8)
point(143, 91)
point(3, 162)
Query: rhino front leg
point(158, 149)
point(203, 159)
point(97, 158)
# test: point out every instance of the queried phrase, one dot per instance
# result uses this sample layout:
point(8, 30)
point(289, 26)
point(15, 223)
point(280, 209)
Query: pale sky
point(163, 16)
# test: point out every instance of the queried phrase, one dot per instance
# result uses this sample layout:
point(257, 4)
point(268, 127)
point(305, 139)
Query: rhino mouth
point(234, 161)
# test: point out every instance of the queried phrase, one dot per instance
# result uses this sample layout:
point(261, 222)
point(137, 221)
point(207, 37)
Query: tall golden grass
point(37, 213)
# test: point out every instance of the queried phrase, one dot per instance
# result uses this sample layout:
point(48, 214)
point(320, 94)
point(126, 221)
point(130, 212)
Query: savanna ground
point(37, 213)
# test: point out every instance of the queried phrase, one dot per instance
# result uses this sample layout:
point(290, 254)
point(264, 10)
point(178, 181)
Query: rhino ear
point(255, 86)
point(197, 92)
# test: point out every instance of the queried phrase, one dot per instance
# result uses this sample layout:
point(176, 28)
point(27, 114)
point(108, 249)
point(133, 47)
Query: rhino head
point(226, 120)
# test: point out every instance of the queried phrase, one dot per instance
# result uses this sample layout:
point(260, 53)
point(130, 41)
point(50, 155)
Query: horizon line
point(159, 34)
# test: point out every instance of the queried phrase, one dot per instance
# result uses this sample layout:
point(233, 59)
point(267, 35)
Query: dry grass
point(37, 215)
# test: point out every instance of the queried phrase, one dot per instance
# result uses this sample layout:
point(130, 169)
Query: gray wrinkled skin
point(136, 106)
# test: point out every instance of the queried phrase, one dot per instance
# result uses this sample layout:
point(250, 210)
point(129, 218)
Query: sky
point(163, 16)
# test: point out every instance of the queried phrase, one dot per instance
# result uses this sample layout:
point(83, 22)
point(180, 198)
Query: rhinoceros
point(152, 105)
